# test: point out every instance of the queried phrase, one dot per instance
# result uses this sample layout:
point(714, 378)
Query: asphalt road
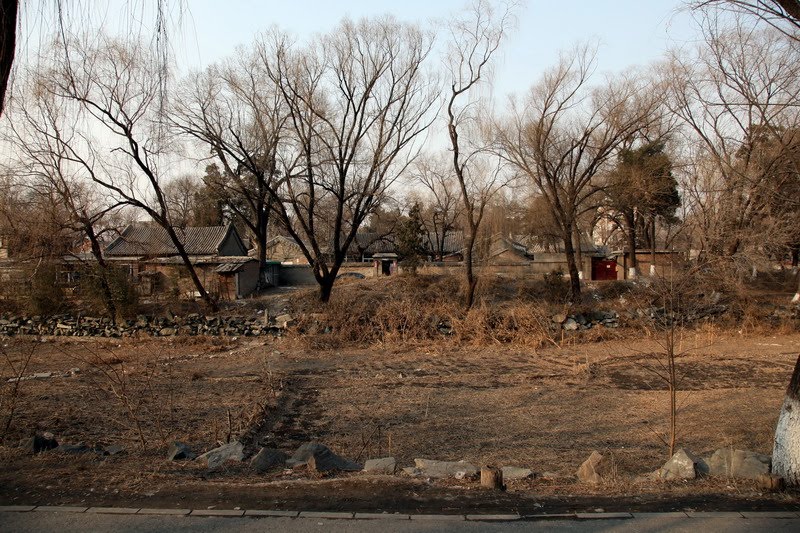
point(660, 522)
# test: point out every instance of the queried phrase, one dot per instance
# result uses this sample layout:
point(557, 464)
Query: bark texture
point(786, 450)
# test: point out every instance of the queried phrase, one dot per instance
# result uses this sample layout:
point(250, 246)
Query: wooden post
point(492, 478)
point(771, 482)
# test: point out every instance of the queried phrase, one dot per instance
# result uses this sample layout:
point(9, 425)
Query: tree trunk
point(209, 301)
point(786, 450)
point(8, 38)
point(261, 246)
point(472, 281)
point(574, 279)
point(653, 245)
point(325, 287)
point(630, 233)
point(576, 238)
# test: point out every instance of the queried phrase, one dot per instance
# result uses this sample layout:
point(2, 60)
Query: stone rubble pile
point(580, 321)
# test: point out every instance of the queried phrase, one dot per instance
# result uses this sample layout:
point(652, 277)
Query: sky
point(630, 32)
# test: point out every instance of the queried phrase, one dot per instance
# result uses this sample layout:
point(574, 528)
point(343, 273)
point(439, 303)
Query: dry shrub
point(405, 309)
point(513, 322)
point(409, 309)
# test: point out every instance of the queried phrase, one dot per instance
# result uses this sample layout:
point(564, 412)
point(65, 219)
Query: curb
point(259, 513)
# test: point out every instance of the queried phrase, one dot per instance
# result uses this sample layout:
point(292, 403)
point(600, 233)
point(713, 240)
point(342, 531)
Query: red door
point(604, 269)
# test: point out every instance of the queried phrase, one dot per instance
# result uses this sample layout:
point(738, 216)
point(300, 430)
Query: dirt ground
point(544, 409)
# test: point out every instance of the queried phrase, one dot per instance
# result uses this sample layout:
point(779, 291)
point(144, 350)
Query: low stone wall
point(193, 324)
point(517, 270)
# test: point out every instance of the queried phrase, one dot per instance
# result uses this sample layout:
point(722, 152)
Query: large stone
point(514, 472)
point(682, 465)
point(442, 469)
point(570, 325)
point(41, 442)
point(320, 458)
point(727, 462)
point(749, 465)
point(284, 321)
point(113, 449)
point(385, 465)
point(594, 469)
point(232, 451)
point(75, 449)
point(179, 451)
point(719, 464)
point(267, 459)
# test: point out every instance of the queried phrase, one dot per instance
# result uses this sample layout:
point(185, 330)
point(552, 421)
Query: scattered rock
point(267, 459)
point(745, 464)
point(441, 469)
point(514, 472)
point(113, 449)
point(76, 449)
point(179, 451)
point(320, 458)
point(682, 465)
point(749, 465)
point(232, 451)
point(165, 332)
point(385, 465)
point(570, 325)
point(41, 442)
point(558, 318)
point(284, 321)
point(594, 469)
point(719, 464)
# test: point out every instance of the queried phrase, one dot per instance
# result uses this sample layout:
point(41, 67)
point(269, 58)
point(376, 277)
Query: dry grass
point(507, 404)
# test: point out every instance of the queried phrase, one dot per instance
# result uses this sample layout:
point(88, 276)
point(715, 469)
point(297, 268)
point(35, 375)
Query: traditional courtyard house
point(217, 252)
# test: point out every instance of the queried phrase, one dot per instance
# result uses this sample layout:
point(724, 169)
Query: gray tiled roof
point(152, 240)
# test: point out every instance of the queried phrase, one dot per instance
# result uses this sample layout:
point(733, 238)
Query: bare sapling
point(11, 392)
point(674, 300)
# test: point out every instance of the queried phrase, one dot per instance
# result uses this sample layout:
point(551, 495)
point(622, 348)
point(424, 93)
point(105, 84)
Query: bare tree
point(474, 40)
point(442, 210)
point(564, 133)
point(736, 96)
point(358, 100)
point(237, 112)
point(181, 195)
point(113, 89)
point(43, 145)
point(783, 15)
point(10, 22)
